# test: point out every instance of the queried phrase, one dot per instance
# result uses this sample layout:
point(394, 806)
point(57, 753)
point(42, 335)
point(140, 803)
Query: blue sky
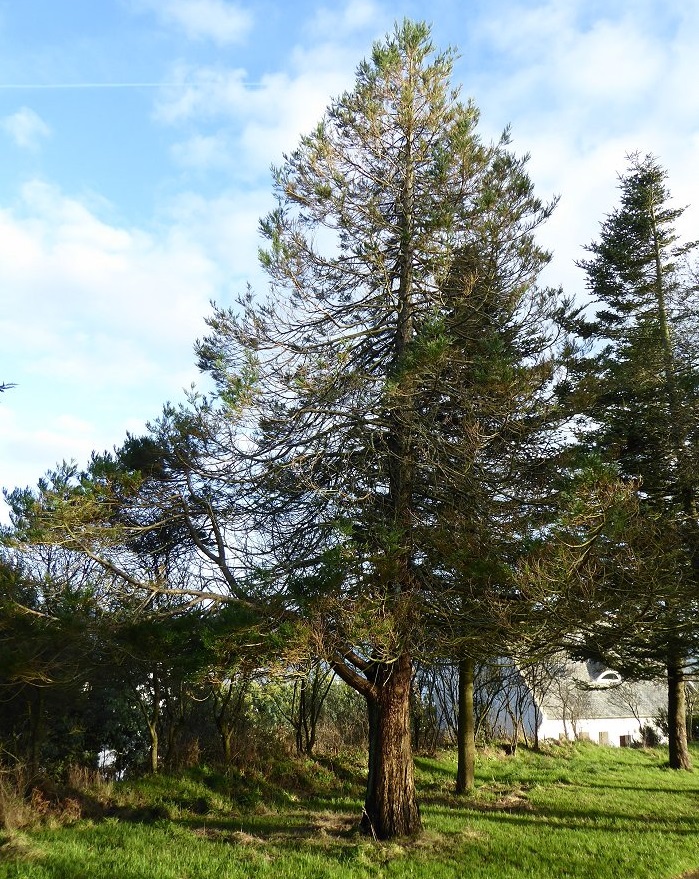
point(136, 138)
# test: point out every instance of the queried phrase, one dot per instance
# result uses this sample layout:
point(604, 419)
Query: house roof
point(590, 690)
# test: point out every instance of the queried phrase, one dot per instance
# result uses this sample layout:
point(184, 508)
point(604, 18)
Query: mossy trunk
point(465, 729)
point(677, 715)
point(225, 732)
point(391, 808)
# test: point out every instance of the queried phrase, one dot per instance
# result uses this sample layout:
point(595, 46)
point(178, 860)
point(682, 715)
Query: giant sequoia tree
point(640, 392)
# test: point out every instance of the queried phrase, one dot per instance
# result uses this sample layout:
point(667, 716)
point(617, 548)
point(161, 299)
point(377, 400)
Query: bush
point(15, 812)
point(650, 737)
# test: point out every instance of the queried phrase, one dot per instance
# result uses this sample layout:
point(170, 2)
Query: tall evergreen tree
point(639, 392)
point(399, 374)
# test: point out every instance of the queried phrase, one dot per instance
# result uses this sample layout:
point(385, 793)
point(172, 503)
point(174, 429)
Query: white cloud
point(26, 128)
point(25, 441)
point(222, 22)
point(258, 119)
point(612, 60)
point(607, 68)
point(286, 109)
point(333, 22)
point(60, 261)
point(204, 92)
point(583, 85)
point(255, 122)
point(227, 227)
point(204, 152)
point(98, 322)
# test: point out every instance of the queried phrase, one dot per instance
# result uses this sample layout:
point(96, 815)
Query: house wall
point(614, 727)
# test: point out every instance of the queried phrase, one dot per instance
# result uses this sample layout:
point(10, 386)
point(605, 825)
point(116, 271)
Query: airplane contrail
point(84, 85)
point(37, 86)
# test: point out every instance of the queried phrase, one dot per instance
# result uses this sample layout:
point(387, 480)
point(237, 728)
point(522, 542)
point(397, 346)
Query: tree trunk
point(36, 728)
point(306, 720)
point(152, 722)
point(153, 734)
point(677, 715)
point(465, 729)
point(391, 808)
point(225, 732)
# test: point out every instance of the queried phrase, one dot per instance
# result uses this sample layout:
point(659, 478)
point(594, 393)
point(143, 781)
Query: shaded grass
point(571, 811)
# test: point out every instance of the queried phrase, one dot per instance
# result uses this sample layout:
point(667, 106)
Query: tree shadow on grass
point(430, 766)
point(332, 832)
point(577, 819)
point(655, 791)
point(354, 776)
point(501, 793)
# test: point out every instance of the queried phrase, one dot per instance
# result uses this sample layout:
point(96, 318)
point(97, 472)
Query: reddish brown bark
point(391, 807)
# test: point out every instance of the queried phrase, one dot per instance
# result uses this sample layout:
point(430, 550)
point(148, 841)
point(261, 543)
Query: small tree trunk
point(152, 723)
point(391, 807)
point(514, 741)
point(170, 758)
point(36, 728)
point(153, 733)
point(307, 717)
point(225, 732)
point(465, 729)
point(677, 715)
point(227, 711)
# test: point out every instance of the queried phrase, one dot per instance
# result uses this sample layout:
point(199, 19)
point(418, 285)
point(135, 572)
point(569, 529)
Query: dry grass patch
point(17, 847)
point(510, 800)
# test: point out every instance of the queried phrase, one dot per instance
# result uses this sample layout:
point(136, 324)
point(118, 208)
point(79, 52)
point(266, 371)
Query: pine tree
point(400, 373)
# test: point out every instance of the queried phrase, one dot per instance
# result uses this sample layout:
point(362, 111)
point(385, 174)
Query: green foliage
point(638, 394)
point(377, 474)
point(401, 430)
point(639, 385)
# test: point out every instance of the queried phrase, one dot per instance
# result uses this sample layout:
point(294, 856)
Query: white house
point(565, 699)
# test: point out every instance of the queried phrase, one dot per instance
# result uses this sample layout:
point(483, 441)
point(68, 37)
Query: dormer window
point(610, 677)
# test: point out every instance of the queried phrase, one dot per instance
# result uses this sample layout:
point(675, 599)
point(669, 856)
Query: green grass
point(572, 811)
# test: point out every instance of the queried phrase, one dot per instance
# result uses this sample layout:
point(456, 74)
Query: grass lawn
point(573, 811)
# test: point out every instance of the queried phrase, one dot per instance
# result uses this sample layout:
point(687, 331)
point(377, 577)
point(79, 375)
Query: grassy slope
point(581, 811)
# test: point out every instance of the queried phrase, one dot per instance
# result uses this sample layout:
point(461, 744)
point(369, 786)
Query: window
point(610, 677)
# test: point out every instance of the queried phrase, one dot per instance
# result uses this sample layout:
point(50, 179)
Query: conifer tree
point(400, 373)
point(639, 392)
